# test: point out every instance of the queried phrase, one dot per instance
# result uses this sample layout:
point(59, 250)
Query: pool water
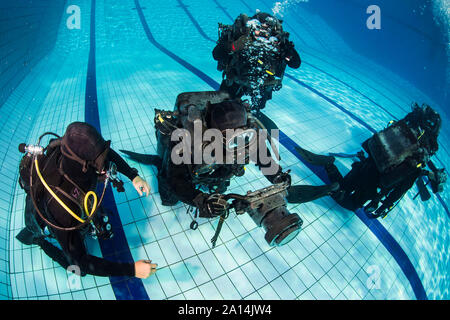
point(132, 56)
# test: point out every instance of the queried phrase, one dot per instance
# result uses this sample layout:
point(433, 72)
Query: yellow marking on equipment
point(73, 214)
point(421, 134)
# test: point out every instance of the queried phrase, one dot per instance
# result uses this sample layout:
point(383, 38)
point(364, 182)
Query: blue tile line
point(115, 249)
point(223, 9)
point(374, 225)
point(357, 119)
point(354, 117)
point(186, 10)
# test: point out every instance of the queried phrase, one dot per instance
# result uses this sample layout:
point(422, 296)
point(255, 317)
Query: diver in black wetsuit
point(182, 182)
point(203, 185)
point(71, 166)
point(253, 54)
point(396, 159)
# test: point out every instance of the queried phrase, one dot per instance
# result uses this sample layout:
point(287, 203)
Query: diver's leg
point(32, 234)
point(232, 89)
point(268, 123)
point(314, 159)
point(302, 194)
point(333, 173)
point(167, 195)
point(358, 186)
point(267, 167)
point(366, 189)
point(53, 252)
point(266, 96)
point(320, 160)
point(32, 231)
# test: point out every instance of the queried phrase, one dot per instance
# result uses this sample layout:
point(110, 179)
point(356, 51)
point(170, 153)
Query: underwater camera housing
point(267, 208)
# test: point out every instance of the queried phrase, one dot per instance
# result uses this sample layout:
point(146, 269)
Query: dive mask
point(240, 139)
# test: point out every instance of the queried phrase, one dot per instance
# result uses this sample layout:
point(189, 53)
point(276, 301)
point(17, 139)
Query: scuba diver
point(253, 54)
point(58, 181)
point(202, 185)
point(396, 158)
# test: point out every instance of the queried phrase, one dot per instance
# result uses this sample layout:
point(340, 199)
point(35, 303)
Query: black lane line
point(210, 81)
point(223, 9)
point(374, 225)
point(115, 249)
point(185, 8)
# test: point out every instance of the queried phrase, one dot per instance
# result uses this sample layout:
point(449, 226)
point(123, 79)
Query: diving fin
point(266, 121)
point(144, 158)
point(315, 159)
point(27, 237)
point(360, 155)
point(304, 193)
point(343, 155)
point(55, 254)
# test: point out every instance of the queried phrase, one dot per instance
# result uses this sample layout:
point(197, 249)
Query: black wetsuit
point(221, 53)
point(365, 183)
point(72, 242)
point(176, 182)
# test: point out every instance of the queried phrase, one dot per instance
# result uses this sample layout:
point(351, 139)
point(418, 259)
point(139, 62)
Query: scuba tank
point(41, 170)
point(393, 146)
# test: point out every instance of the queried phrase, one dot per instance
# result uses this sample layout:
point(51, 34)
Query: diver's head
point(83, 146)
point(425, 119)
point(264, 25)
point(228, 114)
point(431, 120)
point(231, 118)
point(426, 122)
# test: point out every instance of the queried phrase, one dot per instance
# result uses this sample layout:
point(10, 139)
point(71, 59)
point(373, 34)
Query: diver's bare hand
point(144, 269)
point(141, 186)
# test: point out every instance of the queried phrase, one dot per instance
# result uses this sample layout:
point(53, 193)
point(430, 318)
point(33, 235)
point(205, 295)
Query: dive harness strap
point(83, 223)
point(94, 205)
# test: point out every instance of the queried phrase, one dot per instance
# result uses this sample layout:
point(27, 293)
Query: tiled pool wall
point(419, 228)
point(28, 33)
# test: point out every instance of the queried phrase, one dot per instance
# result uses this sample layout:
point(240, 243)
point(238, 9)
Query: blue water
point(132, 56)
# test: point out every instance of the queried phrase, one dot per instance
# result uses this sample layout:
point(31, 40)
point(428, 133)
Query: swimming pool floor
point(142, 55)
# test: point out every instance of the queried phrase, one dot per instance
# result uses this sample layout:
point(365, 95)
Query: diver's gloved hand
point(287, 49)
point(211, 205)
point(283, 177)
point(141, 186)
point(217, 204)
point(288, 46)
point(280, 177)
point(144, 269)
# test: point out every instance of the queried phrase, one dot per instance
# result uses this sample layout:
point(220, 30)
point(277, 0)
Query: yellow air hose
point(86, 198)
